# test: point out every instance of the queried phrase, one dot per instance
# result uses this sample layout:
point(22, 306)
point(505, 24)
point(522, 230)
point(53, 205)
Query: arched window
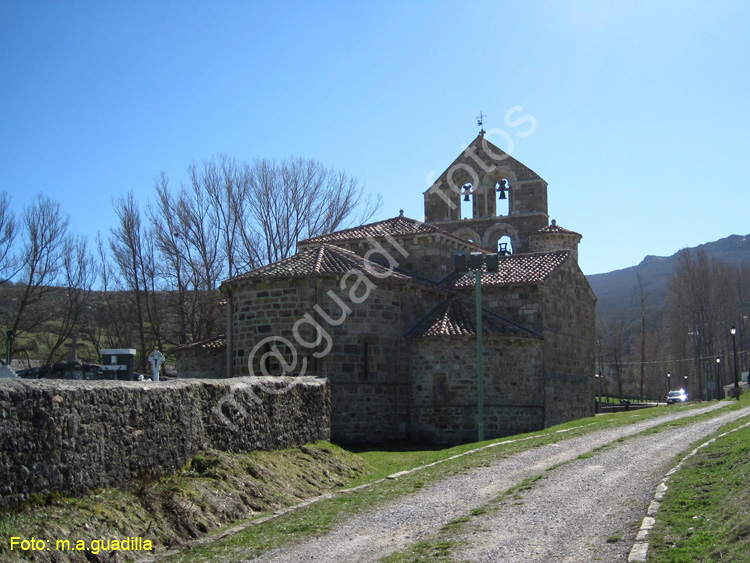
point(502, 189)
point(467, 204)
point(469, 234)
point(505, 246)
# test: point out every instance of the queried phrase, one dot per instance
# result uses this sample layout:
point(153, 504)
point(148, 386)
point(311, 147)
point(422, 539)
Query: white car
point(677, 397)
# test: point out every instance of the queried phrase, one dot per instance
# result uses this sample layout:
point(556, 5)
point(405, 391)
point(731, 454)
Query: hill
point(618, 291)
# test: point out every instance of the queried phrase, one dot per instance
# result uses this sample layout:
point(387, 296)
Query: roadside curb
point(639, 551)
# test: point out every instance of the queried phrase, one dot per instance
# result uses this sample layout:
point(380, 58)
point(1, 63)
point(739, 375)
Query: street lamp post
point(463, 263)
point(480, 358)
point(733, 332)
point(599, 402)
point(669, 381)
point(718, 383)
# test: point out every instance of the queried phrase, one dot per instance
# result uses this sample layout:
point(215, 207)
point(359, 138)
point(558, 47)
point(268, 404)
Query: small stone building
point(204, 358)
point(380, 311)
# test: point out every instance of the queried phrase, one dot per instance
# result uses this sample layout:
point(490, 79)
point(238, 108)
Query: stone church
point(380, 310)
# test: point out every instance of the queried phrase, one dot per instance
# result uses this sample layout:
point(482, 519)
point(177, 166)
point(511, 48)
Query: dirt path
point(587, 510)
point(546, 523)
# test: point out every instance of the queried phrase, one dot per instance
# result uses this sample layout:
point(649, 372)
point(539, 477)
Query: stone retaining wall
point(76, 436)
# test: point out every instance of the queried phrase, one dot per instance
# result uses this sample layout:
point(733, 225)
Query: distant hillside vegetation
point(618, 291)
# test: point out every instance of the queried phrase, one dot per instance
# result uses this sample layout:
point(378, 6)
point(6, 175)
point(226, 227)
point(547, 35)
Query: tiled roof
point(218, 342)
point(457, 317)
point(396, 227)
point(555, 228)
point(516, 268)
point(321, 259)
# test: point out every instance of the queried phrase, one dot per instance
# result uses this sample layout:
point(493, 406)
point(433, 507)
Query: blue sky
point(642, 109)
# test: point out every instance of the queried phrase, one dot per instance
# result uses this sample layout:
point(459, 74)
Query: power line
point(712, 357)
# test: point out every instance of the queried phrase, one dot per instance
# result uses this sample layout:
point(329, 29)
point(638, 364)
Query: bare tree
point(8, 231)
point(176, 271)
point(110, 321)
point(44, 234)
point(642, 300)
point(614, 350)
point(188, 234)
point(133, 251)
point(231, 217)
point(600, 357)
point(78, 277)
point(298, 199)
point(702, 305)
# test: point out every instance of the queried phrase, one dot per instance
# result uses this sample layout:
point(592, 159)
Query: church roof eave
point(396, 227)
point(531, 268)
point(326, 260)
point(456, 317)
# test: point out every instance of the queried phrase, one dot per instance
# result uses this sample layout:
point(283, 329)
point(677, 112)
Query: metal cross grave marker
point(156, 359)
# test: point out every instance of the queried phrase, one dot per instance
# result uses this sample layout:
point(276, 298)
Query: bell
point(501, 188)
point(466, 196)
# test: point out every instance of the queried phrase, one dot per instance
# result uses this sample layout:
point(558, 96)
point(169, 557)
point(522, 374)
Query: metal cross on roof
point(480, 122)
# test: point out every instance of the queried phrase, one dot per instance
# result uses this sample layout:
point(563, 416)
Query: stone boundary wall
point(76, 436)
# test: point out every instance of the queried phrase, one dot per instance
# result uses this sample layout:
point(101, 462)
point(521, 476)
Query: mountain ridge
point(618, 292)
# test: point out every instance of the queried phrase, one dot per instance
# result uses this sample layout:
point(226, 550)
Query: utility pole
point(463, 264)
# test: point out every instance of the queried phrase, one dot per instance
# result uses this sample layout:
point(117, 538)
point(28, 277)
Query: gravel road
point(568, 516)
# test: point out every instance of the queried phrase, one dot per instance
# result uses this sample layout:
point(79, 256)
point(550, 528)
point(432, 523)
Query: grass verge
point(705, 514)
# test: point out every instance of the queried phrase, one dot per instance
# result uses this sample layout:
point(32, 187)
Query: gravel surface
point(587, 510)
point(605, 495)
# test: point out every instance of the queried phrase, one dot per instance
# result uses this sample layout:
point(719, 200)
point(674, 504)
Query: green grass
point(705, 514)
point(212, 491)
point(424, 552)
point(616, 400)
point(321, 517)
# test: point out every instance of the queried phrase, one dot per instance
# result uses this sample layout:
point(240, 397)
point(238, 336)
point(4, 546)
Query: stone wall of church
point(361, 348)
point(365, 365)
point(429, 256)
point(263, 314)
point(554, 242)
point(524, 226)
point(570, 339)
point(522, 303)
point(443, 383)
point(568, 397)
point(74, 436)
point(368, 361)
